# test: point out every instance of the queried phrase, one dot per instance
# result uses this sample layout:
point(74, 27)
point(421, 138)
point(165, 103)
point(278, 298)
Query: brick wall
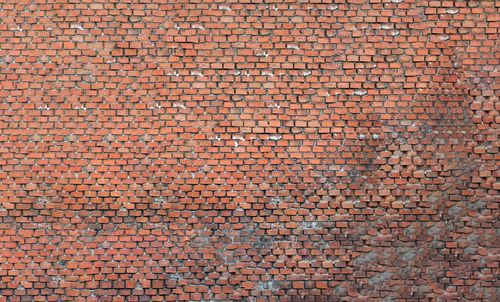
point(249, 150)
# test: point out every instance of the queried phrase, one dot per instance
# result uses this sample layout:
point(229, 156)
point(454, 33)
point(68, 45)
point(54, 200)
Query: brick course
point(249, 150)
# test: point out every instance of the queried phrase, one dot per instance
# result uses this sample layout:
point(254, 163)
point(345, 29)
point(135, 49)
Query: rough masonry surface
point(249, 150)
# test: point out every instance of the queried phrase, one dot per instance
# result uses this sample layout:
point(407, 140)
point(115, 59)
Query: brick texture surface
point(342, 150)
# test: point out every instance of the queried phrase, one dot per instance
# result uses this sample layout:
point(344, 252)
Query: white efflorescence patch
point(360, 92)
